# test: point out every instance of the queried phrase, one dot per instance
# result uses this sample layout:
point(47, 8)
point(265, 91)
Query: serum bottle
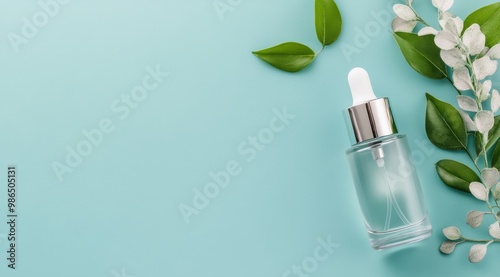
point(386, 181)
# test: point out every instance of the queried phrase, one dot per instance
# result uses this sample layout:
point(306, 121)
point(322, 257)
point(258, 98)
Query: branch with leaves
point(293, 56)
point(469, 50)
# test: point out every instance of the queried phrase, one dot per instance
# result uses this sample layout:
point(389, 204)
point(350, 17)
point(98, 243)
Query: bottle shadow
point(405, 259)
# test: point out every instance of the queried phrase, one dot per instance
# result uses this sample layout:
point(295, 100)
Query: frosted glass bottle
point(386, 181)
point(389, 192)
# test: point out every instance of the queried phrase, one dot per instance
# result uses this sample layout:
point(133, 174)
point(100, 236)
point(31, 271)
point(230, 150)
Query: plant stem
point(451, 82)
point(320, 50)
point(476, 88)
point(485, 155)
point(472, 159)
point(423, 21)
point(480, 240)
point(490, 207)
point(419, 19)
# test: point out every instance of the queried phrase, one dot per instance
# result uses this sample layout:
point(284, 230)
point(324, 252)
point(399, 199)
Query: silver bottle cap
point(369, 117)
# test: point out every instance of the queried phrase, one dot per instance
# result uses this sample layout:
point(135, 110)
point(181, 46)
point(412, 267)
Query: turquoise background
point(117, 213)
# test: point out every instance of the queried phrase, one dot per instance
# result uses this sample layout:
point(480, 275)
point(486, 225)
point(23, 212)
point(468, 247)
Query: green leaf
point(488, 18)
point(478, 137)
point(495, 157)
point(456, 175)
point(493, 136)
point(422, 54)
point(444, 125)
point(494, 133)
point(328, 21)
point(288, 56)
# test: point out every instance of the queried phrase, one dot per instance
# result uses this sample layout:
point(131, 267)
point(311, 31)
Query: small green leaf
point(444, 125)
point(448, 246)
point(452, 233)
point(288, 56)
point(493, 136)
point(479, 191)
point(477, 252)
point(495, 191)
point(474, 218)
point(422, 54)
point(328, 21)
point(494, 230)
point(488, 18)
point(456, 175)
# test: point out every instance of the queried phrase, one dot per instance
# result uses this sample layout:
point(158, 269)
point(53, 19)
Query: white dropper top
point(362, 92)
point(361, 87)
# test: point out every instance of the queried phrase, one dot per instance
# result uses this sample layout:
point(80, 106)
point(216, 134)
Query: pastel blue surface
point(117, 212)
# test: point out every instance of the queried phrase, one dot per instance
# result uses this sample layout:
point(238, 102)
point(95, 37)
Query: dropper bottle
point(385, 179)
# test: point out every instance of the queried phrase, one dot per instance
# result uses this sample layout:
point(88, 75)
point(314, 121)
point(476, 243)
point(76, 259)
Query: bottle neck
point(375, 142)
point(370, 120)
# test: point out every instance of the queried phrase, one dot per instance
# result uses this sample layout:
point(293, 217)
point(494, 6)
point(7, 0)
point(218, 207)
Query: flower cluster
point(406, 18)
point(490, 177)
point(472, 62)
point(466, 53)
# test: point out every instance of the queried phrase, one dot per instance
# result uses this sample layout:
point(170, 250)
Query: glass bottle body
point(389, 192)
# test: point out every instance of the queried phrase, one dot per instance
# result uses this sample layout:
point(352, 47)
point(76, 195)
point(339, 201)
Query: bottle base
point(407, 234)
